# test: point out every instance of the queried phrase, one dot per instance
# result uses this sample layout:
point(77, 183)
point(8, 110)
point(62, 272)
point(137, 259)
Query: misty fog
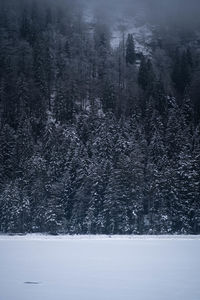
point(170, 12)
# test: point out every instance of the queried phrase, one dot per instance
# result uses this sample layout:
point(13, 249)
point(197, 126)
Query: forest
point(96, 138)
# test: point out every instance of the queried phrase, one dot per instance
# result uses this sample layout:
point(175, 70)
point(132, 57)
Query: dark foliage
point(94, 139)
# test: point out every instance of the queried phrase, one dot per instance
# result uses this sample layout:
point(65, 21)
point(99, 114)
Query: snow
point(99, 267)
point(64, 237)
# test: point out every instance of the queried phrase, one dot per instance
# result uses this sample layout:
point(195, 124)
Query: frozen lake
point(99, 268)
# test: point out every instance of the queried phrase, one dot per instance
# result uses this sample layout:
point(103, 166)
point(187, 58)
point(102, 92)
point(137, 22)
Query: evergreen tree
point(8, 159)
point(146, 74)
point(130, 50)
point(96, 138)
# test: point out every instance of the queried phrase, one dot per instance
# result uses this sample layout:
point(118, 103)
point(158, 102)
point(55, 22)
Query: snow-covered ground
point(37, 267)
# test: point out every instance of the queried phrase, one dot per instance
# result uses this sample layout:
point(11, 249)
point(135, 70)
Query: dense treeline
point(95, 139)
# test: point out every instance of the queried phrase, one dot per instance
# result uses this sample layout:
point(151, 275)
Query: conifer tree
point(130, 50)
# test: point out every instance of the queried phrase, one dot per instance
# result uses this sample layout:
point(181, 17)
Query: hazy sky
point(182, 12)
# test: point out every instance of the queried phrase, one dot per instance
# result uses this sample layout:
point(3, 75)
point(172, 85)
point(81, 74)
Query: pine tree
point(95, 138)
point(146, 75)
point(25, 28)
point(181, 74)
point(130, 50)
point(8, 159)
point(15, 209)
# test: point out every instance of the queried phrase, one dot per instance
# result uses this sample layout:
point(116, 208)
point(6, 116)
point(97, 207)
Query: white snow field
point(99, 268)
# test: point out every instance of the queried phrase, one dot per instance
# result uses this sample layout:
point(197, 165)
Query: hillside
point(99, 119)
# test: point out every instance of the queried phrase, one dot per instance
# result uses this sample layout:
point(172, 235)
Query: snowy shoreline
point(46, 237)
